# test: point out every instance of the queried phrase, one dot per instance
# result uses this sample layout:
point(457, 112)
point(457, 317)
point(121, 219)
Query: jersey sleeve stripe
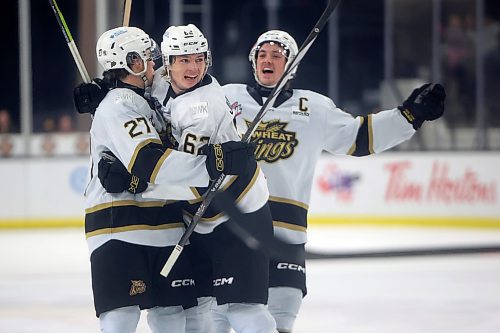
point(364, 140)
point(198, 190)
point(353, 147)
point(249, 186)
point(289, 201)
point(195, 191)
point(370, 134)
point(289, 226)
point(122, 203)
point(158, 165)
point(136, 227)
point(237, 187)
point(289, 214)
point(139, 147)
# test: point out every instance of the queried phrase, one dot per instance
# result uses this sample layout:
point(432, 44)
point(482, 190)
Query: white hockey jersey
point(291, 137)
point(123, 124)
point(203, 115)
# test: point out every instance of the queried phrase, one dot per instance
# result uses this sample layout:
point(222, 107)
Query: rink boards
point(431, 189)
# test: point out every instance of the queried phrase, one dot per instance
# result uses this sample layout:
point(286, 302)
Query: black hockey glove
point(424, 103)
point(87, 96)
point(115, 178)
point(230, 158)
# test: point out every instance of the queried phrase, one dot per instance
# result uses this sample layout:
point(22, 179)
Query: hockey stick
point(126, 12)
point(211, 192)
point(71, 43)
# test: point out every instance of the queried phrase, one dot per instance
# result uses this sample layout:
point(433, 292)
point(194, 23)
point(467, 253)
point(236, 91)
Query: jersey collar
point(171, 94)
point(258, 91)
point(137, 90)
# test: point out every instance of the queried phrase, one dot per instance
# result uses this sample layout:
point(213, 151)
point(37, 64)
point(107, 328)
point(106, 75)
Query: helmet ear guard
point(277, 36)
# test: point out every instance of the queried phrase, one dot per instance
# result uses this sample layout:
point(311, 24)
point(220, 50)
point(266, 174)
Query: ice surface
point(45, 283)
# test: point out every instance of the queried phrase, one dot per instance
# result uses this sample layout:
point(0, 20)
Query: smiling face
point(186, 71)
point(271, 61)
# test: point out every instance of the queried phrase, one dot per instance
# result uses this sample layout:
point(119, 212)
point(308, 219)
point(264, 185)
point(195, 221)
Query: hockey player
point(195, 106)
point(309, 123)
point(289, 142)
point(130, 237)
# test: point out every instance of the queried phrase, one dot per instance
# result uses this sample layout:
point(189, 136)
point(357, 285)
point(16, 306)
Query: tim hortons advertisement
point(433, 185)
point(416, 188)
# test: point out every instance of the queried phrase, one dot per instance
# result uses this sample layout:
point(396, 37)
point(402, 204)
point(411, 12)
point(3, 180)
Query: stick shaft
point(71, 43)
point(126, 12)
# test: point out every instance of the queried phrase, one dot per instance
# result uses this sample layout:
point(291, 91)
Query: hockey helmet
point(184, 40)
point(283, 39)
point(117, 48)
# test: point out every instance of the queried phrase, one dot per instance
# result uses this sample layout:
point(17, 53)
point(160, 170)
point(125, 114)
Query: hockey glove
point(87, 96)
point(424, 103)
point(115, 178)
point(230, 158)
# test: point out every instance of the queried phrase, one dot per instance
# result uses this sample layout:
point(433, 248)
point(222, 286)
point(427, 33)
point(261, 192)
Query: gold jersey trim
point(137, 149)
point(136, 227)
point(199, 197)
point(370, 134)
point(250, 184)
point(289, 226)
point(245, 191)
point(160, 162)
point(122, 203)
point(289, 201)
point(353, 147)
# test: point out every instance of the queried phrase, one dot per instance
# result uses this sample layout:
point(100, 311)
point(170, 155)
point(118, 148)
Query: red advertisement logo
point(463, 187)
point(337, 182)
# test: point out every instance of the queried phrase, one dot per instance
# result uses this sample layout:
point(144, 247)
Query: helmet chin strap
point(166, 74)
point(142, 74)
point(147, 87)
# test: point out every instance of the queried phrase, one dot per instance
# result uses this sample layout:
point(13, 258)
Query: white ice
point(45, 283)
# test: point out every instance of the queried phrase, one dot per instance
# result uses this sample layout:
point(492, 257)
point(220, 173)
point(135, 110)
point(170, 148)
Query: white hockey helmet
point(117, 47)
point(278, 36)
point(184, 40)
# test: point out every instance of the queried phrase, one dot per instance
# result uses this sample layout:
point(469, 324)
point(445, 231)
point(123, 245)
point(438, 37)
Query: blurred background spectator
point(492, 83)
point(6, 125)
point(459, 50)
point(65, 124)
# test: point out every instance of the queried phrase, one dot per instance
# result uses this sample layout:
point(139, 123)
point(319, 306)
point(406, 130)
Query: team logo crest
point(273, 141)
point(235, 107)
point(137, 287)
